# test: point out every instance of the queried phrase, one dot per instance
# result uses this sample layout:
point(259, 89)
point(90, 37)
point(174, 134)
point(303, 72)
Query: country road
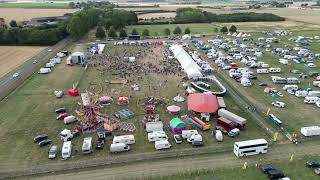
point(172, 166)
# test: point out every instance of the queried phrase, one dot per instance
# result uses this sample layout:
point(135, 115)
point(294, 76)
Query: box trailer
point(310, 131)
point(126, 139)
point(232, 117)
point(188, 133)
point(225, 125)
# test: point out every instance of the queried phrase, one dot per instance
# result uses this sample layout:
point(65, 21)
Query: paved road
point(172, 166)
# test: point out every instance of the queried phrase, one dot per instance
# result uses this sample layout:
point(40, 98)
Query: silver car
point(53, 150)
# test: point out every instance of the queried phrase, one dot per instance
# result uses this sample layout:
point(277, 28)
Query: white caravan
point(126, 139)
point(87, 145)
point(262, 71)
point(157, 136)
point(162, 144)
point(275, 70)
point(119, 147)
point(188, 133)
point(66, 150)
point(310, 100)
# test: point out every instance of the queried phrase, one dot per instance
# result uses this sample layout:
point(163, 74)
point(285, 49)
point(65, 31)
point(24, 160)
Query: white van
point(119, 147)
point(126, 139)
point(44, 71)
point(87, 145)
point(310, 100)
point(66, 150)
point(275, 70)
point(316, 83)
point(49, 65)
point(157, 136)
point(196, 137)
point(162, 144)
point(188, 133)
point(69, 119)
point(262, 71)
point(284, 61)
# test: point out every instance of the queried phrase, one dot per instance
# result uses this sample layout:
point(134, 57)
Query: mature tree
point(145, 32)
point(134, 32)
point(216, 30)
point(72, 5)
point(13, 23)
point(224, 29)
point(167, 31)
point(112, 32)
point(100, 33)
point(122, 34)
point(177, 30)
point(233, 29)
point(187, 31)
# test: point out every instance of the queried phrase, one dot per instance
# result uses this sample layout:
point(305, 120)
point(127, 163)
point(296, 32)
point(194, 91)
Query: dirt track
point(13, 56)
point(172, 166)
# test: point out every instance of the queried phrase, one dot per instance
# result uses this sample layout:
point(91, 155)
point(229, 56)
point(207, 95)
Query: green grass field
point(34, 5)
point(30, 111)
point(295, 170)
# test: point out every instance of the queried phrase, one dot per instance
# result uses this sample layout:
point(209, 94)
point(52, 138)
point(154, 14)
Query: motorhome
point(284, 61)
point(157, 136)
point(293, 80)
point(87, 145)
point(119, 147)
point(126, 139)
point(275, 70)
point(262, 71)
point(188, 133)
point(66, 150)
point(162, 144)
point(311, 100)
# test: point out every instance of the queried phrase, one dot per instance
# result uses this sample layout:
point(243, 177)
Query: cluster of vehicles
point(272, 172)
point(53, 61)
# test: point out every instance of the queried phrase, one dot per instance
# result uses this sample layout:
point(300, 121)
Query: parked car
point(39, 138)
point(53, 150)
point(34, 61)
point(197, 143)
point(266, 167)
point(275, 174)
point(234, 132)
point(44, 142)
point(177, 138)
point(313, 164)
point(15, 75)
point(279, 104)
point(100, 144)
point(317, 171)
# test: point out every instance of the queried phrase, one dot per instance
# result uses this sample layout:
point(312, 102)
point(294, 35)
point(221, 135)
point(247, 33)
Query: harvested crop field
point(157, 15)
point(22, 14)
point(13, 56)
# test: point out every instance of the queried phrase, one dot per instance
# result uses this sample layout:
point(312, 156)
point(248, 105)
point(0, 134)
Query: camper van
point(316, 83)
point(275, 70)
point(87, 145)
point(66, 150)
point(262, 71)
point(311, 100)
point(246, 82)
point(196, 137)
point(284, 61)
point(301, 93)
point(44, 71)
point(70, 119)
point(314, 93)
point(162, 144)
point(126, 139)
point(293, 81)
point(188, 133)
point(157, 136)
point(49, 65)
point(119, 147)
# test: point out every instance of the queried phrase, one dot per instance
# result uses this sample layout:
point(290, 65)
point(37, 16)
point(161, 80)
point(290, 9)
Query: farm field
point(297, 114)
point(34, 5)
point(13, 56)
point(24, 14)
point(36, 104)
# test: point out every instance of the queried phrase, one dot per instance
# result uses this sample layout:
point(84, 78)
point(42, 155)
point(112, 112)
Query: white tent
point(77, 58)
point(190, 67)
point(186, 37)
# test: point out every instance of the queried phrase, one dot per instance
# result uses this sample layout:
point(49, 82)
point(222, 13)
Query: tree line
point(191, 15)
